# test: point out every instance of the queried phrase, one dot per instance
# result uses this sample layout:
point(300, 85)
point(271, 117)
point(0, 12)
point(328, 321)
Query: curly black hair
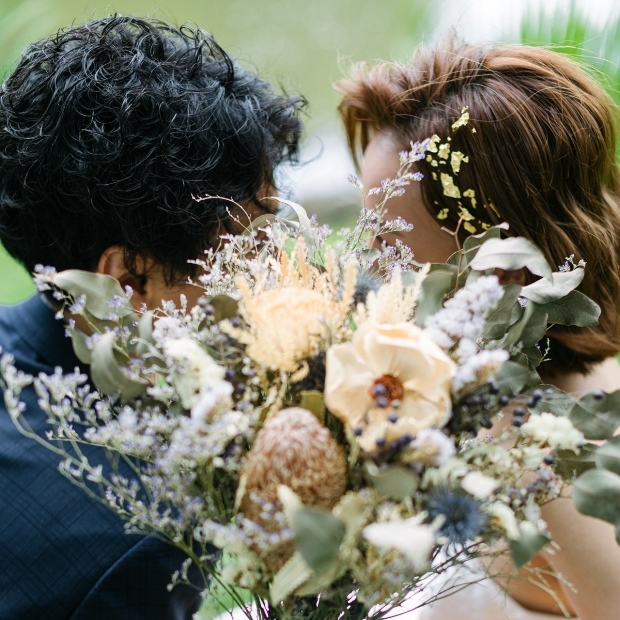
point(108, 129)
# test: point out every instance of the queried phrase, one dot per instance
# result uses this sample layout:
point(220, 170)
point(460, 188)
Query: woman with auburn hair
point(528, 139)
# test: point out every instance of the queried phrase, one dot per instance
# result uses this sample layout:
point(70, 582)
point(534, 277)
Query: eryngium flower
point(389, 382)
point(293, 449)
point(463, 518)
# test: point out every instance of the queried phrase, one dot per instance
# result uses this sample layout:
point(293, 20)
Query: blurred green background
point(305, 46)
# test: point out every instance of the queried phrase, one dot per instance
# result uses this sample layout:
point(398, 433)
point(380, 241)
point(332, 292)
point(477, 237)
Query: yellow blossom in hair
point(443, 151)
point(443, 214)
point(456, 159)
point(432, 143)
point(471, 194)
point(462, 120)
point(469, 227)
point(449, 188)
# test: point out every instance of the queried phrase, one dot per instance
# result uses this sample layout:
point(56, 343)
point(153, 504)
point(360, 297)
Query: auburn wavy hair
point(542, 153)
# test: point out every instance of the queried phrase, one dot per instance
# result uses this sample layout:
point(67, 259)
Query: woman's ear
point(112, 262)
point(515, 276)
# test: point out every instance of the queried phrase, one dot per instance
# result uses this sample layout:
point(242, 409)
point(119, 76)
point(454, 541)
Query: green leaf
point(78, 340)
point(225, 307)
point(475, 241)
point(99, 290)
point(145, 333)
point(312, 400)
point(574, 309)
point(512, 377)
point(596, 493)
point(500, 319)
point(318, 534)
point(562, 283)
point(105, 370)
point(597, 418)
point(607, 456)
point(513, 335)
point(511, 254)
point(394, 482)
point(559, 403)
point(528, 545)
point(535, 329)
point(437, 284)
point(569, 465)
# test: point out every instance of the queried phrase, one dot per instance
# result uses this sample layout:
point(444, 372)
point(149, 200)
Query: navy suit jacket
point(64, 555)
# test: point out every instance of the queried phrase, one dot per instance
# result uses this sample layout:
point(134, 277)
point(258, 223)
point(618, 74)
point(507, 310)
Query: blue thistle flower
point(463, 518)
point(366, 282)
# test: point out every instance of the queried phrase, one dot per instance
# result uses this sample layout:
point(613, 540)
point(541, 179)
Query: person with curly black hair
point(107, 133)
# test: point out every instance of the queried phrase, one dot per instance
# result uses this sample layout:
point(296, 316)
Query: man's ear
point(112, 262)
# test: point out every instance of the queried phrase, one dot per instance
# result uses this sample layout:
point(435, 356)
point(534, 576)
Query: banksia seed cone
point(294, 449)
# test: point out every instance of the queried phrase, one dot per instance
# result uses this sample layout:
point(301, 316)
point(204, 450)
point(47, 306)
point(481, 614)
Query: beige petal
point(347, 383)
point(388, 351)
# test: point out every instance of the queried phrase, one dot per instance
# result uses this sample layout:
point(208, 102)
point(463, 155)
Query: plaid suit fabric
point(63, 555)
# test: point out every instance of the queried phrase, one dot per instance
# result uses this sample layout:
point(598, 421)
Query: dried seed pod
point(294, 449)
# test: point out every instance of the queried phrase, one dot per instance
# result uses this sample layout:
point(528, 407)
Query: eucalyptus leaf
point(395, 482)
point(512, 377)
point(569, 465)
point(437, 284)
point(106, 373)
point(597, 418)
point(224, 307)
point(553, 401)
point(573, 309)
point(528, 545)
point(78, 340)
point(513, 335)
point(596, 493)
point(511, 254)
point(500, 319)
point(475, 241)
point(99, 290)
point(312, 400)
point(607, 456)
point(535, 329)
point(318, 534)
point(562, 283)
point(145, 333)
point(370, 255)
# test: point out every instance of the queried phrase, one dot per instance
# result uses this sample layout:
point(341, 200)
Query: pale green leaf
point(596, 493)
point(562, 283)
point(528, 545)
point(607, 456)
point(511, 254)
point(570, 465)
point(597, 418)
point(395, 482)
point(318, 534)
point(437, 284)
point(99, 290)
point(106, 373)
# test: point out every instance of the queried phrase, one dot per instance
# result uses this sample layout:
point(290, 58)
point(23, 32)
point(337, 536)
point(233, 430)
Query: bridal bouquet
point(313, 434)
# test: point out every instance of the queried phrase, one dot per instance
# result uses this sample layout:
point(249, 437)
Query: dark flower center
point(387, 390)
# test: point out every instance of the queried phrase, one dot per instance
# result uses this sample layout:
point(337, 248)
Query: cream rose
point(388, 383)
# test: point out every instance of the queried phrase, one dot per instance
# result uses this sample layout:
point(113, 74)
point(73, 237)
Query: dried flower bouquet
point(313, 430)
